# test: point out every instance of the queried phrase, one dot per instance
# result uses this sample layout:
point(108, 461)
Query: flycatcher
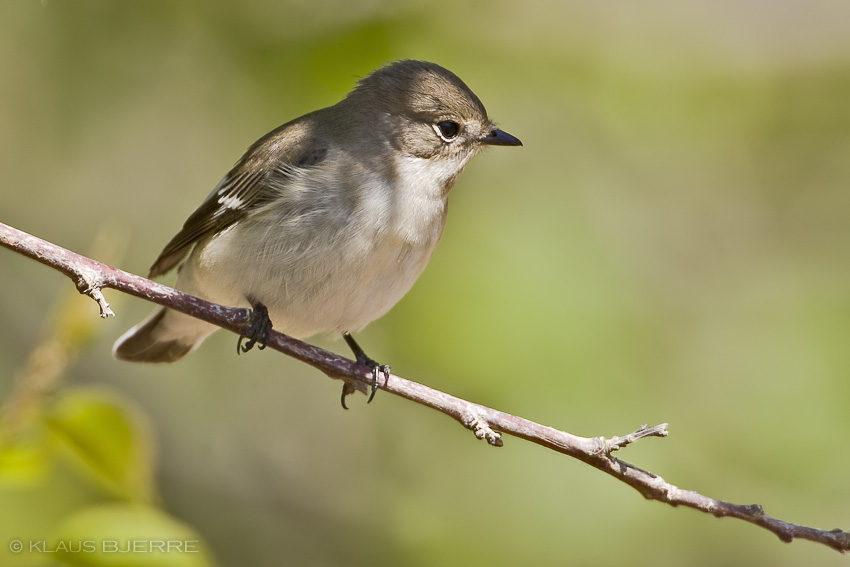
point(327, 221)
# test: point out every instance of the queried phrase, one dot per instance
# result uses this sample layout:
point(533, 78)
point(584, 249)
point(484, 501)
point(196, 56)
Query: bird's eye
point(448, 130)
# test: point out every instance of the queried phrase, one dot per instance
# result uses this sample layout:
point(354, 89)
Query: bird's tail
point(165, 336)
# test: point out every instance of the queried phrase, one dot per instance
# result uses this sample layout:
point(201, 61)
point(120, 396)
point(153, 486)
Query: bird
point(326, 222)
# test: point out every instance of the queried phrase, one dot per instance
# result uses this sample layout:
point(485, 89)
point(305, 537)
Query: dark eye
point(448, 130)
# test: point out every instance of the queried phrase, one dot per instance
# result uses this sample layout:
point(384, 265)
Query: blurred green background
point(671, 244)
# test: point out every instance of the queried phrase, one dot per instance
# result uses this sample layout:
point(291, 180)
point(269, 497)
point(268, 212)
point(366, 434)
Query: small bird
point(327, 221)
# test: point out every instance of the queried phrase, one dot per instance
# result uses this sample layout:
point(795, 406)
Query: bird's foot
point(362, 359)
point(259, 331)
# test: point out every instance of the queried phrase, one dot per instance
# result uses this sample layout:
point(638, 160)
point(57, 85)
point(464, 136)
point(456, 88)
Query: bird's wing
point(269, 162)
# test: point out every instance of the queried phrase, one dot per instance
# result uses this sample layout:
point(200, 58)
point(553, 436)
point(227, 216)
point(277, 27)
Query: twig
point(91, 276)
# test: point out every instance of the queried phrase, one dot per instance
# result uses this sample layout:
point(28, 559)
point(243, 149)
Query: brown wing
point(245, 187)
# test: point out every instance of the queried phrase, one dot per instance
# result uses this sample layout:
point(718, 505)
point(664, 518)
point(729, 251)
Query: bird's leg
point(260, 329)
point(361, 358)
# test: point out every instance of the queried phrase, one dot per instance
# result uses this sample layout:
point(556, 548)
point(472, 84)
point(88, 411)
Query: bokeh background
point(670, 245)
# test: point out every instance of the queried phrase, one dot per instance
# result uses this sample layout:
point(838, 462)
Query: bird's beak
point(497, 137)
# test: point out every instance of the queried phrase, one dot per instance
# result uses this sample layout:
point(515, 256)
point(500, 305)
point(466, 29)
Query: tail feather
point(165, 336)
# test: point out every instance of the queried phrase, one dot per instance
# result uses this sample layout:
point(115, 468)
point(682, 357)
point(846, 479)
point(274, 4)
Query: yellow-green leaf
point(23, 458)
point(128, 535)
point(108, 436)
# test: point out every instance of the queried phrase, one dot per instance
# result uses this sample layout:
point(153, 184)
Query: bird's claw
point(377, 369)
point(361, 358)
point(349, 388)
point(260, 330)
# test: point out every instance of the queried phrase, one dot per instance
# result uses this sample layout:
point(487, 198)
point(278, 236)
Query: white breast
point(338, 262)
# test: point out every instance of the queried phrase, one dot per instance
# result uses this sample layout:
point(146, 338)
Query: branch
point(91, 277)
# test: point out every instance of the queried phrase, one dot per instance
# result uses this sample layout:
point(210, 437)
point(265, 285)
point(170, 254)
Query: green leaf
point(128, 535)
point(108, 436)
point(24, 459)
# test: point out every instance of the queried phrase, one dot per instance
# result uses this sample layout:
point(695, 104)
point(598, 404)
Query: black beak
point(497, 137)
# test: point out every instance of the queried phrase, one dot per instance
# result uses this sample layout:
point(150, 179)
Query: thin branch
point(91, 276)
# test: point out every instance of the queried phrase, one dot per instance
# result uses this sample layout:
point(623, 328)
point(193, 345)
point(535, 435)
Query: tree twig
point(91, 277)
